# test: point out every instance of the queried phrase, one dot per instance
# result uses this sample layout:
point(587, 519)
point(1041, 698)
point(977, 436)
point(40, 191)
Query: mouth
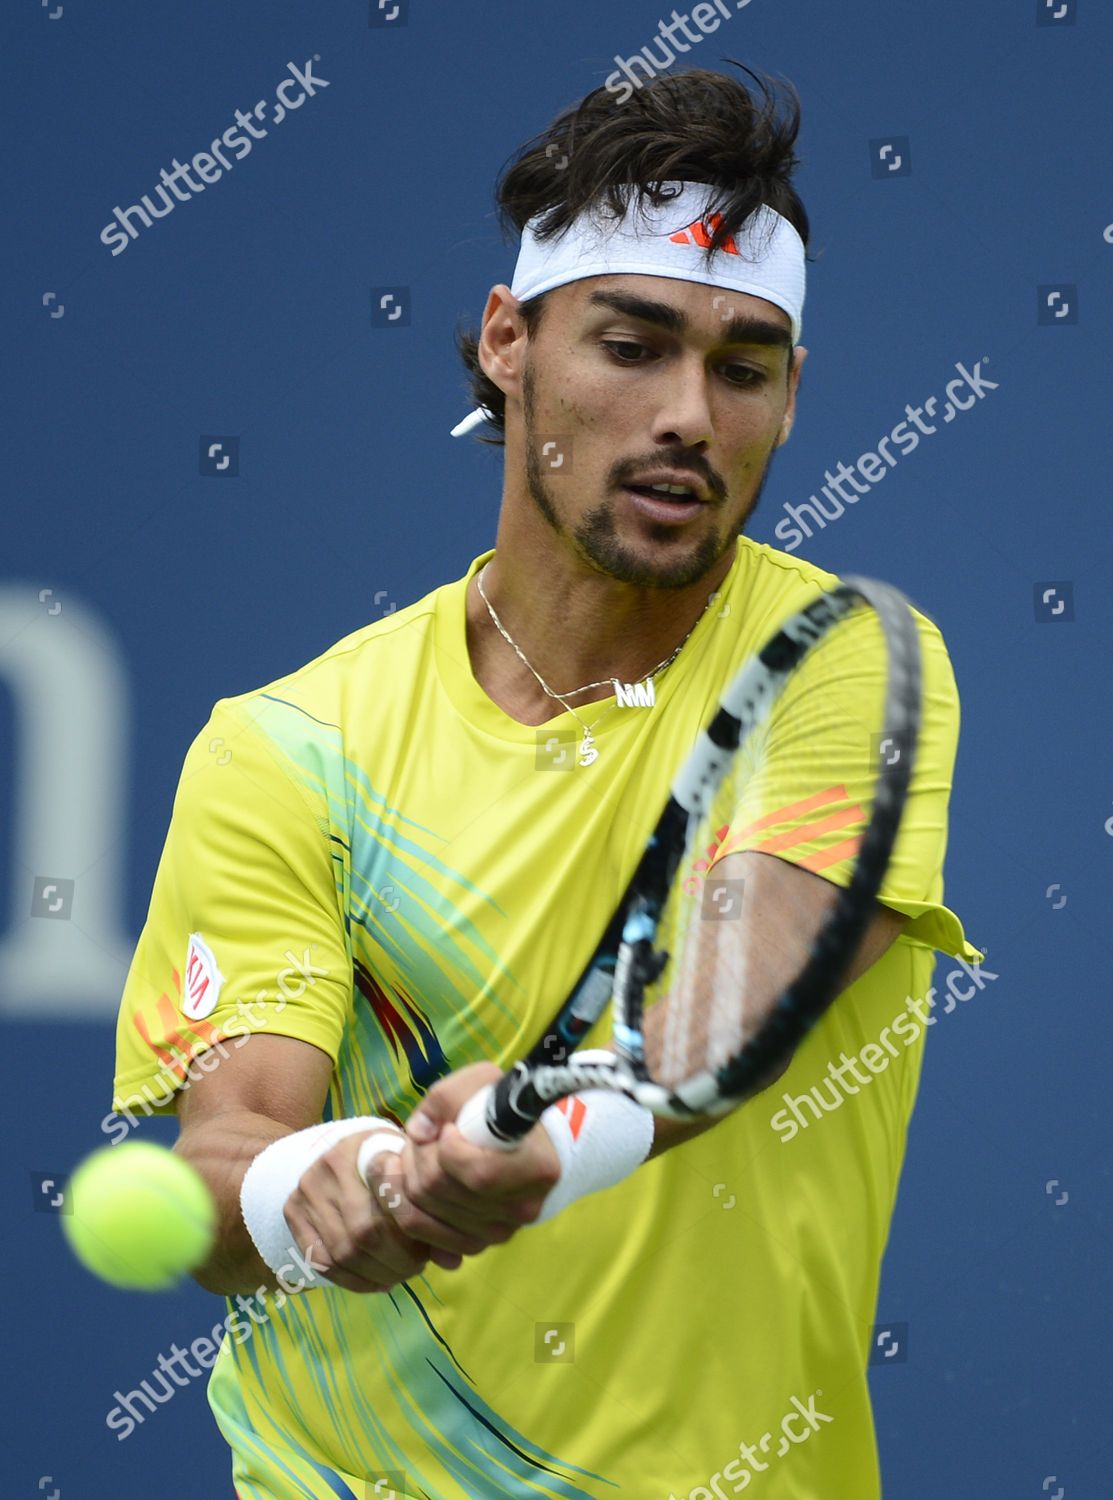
point(670, 503)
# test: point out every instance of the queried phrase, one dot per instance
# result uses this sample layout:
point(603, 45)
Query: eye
point(614, 345)
point(749, 375)
point(739, 375)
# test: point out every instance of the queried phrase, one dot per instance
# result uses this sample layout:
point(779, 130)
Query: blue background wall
point(246, 313)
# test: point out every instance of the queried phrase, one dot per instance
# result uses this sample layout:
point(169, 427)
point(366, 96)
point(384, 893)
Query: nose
point(684, 415)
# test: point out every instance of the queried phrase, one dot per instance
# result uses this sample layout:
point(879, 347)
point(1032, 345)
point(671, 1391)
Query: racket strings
point(705, 985)
point(728, 961)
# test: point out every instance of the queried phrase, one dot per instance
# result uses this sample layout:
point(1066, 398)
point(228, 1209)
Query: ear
point(502, 341)
point(799, 355)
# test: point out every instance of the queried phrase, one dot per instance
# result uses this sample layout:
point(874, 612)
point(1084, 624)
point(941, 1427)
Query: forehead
point(682, 307)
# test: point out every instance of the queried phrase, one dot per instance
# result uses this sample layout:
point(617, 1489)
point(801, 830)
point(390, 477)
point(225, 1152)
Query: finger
point(393, 1186)
point(438, 1197)
point(317, 1243)
point(426, 1183)
point(532, 1169)
point(444, 1100)
point(359, 1238)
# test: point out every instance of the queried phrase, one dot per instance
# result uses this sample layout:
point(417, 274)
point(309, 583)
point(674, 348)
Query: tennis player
point(384, 871)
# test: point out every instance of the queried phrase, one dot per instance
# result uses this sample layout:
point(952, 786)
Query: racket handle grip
point(472, 1122)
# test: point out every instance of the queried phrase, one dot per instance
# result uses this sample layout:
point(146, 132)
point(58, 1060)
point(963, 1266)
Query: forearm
point(668, 1133)
point(222, 1149)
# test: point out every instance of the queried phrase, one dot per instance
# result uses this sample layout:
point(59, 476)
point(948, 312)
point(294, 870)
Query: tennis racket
point(722, 1014)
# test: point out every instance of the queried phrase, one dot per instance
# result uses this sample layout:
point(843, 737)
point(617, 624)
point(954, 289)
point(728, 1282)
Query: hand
point(444, 1192)
point(351, 1238)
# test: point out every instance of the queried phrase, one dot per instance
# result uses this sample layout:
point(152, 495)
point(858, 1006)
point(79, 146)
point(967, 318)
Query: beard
point(595, 535)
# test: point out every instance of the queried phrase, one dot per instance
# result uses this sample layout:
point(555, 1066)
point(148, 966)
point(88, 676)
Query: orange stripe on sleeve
point(846, 850)
point(175, 1040)
point(793, 810)
point(804, 834)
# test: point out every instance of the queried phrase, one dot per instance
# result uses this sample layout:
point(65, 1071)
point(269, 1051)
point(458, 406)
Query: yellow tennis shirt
point(371, 856)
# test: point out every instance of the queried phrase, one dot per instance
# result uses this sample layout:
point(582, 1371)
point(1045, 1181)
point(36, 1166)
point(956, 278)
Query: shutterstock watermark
point(869, 465)
point(178, 1068)
point(178, 186)
point(796, 1427)
point(174, 1371)
point(707, 18)
point(962, 984)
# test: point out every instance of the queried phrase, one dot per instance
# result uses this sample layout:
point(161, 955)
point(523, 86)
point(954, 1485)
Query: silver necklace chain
point(588, 752)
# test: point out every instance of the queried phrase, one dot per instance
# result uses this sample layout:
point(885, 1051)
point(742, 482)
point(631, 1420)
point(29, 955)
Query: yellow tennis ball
point(138, 1216)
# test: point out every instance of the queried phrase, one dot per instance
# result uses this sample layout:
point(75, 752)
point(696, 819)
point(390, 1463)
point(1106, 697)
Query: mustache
point(701, 474)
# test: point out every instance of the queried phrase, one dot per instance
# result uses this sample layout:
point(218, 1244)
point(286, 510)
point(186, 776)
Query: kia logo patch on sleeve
point(203, 979)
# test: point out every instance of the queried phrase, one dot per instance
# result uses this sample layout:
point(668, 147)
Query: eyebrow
point(746, 329)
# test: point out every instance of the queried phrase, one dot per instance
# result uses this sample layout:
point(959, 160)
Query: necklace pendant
point(634, 694)
point(588, 752)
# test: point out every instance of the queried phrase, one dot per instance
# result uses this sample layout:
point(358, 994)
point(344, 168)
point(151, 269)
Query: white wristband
point(600, 1137)
point(276, 1172)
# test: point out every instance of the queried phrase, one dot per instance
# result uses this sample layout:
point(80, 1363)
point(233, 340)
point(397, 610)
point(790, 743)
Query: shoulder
point(319, 686)
point(296, 727)
point(776, 582)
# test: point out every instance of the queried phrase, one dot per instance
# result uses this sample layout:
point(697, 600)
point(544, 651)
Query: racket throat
point(638, 966)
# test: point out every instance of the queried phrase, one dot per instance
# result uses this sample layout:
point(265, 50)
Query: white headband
point(669, 239)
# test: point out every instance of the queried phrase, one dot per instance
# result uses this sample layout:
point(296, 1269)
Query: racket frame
point(625, 961)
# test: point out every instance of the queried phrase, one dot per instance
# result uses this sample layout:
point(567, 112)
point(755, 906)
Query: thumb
point(435, 1110)
point(444, 1100)
point(423, 1125)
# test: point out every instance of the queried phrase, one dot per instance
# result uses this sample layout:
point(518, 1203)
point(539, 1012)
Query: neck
point(574, 625)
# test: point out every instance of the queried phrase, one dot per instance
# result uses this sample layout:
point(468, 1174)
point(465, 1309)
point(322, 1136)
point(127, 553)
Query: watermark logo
point(190, 178)
point(51, 896)
point(219, 457)
point(796, 1426)
point(891, 156)
point(175, 1370)
point(889, 1345)
point(887, 748)
point(555, 454)
point(722, 899)
point(676, 36)
point(1053, 601)
point(849, 1075)
point(555, 750)
point(846, 486)
point(1057, 304)
point(48, 1193)
point(390, 307)
point(388, 13)
point(554, 1343)
point(389, 1485)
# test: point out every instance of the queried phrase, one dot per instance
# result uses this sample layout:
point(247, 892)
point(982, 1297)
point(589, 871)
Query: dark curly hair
point(693, 126)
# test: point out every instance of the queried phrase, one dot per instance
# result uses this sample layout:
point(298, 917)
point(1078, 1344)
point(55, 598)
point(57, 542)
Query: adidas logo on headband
point(697, 234)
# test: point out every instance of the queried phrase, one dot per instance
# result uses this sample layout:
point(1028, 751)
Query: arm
point(448, 1181)
point(783, 906)
point(272, 1086)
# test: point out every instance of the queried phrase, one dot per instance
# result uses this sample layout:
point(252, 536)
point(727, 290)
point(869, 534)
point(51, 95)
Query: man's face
point(630, 375)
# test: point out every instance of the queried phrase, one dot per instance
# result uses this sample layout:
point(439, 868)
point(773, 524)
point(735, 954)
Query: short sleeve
point(807, 783)
point(244, 931)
